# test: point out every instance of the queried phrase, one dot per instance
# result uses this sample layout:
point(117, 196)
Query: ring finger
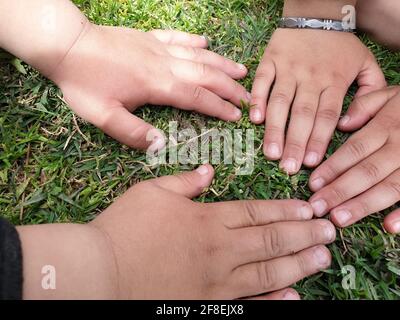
point(301, 124)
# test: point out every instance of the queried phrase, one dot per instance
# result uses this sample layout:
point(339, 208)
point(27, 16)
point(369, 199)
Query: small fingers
point(211, 79)
point(357, 180)
point(264, 78)
point(358, 147)
point(330, 106)
point(261, 277)
point(365, 107)
point(380, 197)
point(284, 294)
point(231, 68)
point(280, 239)
point(301, 125)
point(278, 108)
point(175, 37)
point(250, 213)
point(392, 222)
point(187, 96)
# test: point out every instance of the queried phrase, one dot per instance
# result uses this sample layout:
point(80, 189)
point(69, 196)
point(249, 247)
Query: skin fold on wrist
point(324, 9)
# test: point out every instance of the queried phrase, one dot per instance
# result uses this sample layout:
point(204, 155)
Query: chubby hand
point(363, 176)
point(111, 71)
point(167, 246)
point(307, 73)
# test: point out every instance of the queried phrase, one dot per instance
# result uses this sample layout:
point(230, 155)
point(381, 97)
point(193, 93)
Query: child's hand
point(363, 176)
point(309, 73)
point(156, 243)
point(111, 71)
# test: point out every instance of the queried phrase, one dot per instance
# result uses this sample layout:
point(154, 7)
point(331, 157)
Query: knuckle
point(317, 143)
point(301, 265)
point(370, 170)
point(198, 94)
point(364, 207)
point(193, 52)
point(330, 113)
point(274, 129)
point(202, 69)
point(314, 233)
point(338, 195)
point(280, 98)
point(261, 75)
point(357, 148)
point(272, 242)
point(358, 104)
point(103, 121)
point(267, 275)
point(393, 187)
point(250, 209)
point(295, 146)
point(330, 169)
point(306, 110)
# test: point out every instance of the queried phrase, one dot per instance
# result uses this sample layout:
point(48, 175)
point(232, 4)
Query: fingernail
point(238, 114)
point(202, 170)
point(319, 207)
point(329, 231)
point(242, 67)
point(396, 226)
point(158, 143)
point(256, 114)
point(321, 256)
point(311, 158)
point(290, 295)
point(273, 151)
point(306, 212)
point(248, 95)
point(205, 38)
point(344, 120)
point(317, 183)
point(343, 216)
point(290, 165)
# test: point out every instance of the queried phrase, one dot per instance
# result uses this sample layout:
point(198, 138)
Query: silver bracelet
point(314, 23)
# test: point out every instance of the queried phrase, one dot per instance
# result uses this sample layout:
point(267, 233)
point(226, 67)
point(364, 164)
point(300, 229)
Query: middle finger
point(301, 124)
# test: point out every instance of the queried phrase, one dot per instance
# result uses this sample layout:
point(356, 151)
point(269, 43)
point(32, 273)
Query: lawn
point(56, 168)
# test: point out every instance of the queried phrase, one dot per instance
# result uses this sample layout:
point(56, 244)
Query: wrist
point(66, 261)
point(325, 9)
point(42, 32)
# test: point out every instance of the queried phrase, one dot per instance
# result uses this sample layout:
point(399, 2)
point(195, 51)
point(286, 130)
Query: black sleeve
point(10, 262)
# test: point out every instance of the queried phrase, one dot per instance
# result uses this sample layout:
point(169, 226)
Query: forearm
point(40, 32)
point(329, 9)
point(81, 258)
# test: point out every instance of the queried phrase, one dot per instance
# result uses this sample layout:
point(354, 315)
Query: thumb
point(365, 107)
point(128, 129)
point(371, 78)
point(392, 222)
point(188, 184)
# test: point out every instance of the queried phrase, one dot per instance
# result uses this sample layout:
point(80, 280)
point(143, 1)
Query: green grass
point(56, 169)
